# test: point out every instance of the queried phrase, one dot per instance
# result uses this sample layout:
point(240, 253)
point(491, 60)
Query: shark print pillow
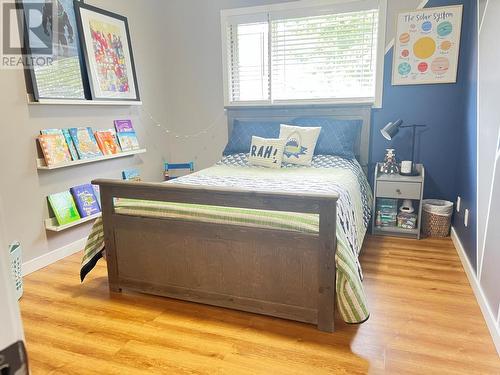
point(300, 143)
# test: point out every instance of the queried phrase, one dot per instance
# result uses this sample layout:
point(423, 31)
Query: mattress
point(327, 174)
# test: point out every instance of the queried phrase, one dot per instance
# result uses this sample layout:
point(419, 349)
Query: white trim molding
point(52, 257)
point(491, 320)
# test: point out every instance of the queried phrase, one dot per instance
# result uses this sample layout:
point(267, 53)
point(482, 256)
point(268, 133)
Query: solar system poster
point(426, 46)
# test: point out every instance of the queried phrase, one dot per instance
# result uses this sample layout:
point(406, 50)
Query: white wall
point(24, 188)
point(488, 114)
point(489, 158)
point(488, 178)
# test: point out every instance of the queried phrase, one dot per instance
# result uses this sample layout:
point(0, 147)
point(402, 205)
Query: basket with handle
point(16, 264)
point(436, 217)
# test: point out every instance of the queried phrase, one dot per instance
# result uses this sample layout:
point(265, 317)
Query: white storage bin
point(16, 265)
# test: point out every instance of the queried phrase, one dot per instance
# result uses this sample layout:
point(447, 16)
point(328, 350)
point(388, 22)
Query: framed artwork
point(52, 45)
point(105, 39)
point(426, 46)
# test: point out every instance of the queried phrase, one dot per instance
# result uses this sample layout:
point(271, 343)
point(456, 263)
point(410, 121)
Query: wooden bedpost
point(107, 208)
point(327, 267)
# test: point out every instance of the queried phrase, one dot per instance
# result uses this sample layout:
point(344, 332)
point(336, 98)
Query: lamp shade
point(391, 129)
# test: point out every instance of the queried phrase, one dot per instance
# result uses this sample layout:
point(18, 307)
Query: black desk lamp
point(389, 132)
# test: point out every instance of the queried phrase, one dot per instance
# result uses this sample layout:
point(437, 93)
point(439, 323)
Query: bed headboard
point(285, 114)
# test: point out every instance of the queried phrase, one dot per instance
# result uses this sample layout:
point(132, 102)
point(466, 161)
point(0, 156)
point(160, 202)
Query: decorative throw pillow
point(299, 143)
point(266, 152)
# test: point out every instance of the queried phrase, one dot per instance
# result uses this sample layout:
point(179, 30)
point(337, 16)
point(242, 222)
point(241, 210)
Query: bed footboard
point(280, 273)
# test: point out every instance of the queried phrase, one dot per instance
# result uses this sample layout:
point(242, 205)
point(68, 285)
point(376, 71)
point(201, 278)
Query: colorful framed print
point(427, 45)
point(52, 47)
point(108, 53)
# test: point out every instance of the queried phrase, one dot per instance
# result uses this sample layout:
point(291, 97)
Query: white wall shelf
point(43, 166)
point(80, 102)
point(52, 225)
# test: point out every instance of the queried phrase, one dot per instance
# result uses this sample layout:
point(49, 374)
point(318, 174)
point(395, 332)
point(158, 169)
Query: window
point(298, 53)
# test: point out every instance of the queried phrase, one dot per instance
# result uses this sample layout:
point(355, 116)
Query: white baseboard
point(52, 257)
point(491, 319)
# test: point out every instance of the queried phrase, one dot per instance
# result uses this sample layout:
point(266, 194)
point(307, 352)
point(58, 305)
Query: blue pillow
point(241, 135)
point(337, 137)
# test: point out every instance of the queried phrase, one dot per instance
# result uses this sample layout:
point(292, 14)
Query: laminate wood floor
point(424, 320)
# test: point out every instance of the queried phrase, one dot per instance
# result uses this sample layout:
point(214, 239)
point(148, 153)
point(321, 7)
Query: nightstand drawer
point(404, 190)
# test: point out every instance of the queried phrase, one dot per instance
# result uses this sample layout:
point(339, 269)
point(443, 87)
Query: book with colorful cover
point(131, 175)
point(126, 135)
point(115, 138)
point(106, 141)
point(64, 207)
point(55, 149)
point(71, 144)
point(85, 143)
point(85, 200)
point(51, 131)
point(124, 126)
point(67, 136)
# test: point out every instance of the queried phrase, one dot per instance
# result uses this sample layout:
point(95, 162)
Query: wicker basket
point(436, 218)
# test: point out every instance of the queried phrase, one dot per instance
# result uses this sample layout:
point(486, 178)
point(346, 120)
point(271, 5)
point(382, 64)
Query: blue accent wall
point(439, 106)
point(447, 147)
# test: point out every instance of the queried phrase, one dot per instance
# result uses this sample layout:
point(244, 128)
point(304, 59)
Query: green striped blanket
point(344, 178)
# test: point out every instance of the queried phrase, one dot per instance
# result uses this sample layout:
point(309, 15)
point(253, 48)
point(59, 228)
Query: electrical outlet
point(466, 217)
point(459, 201)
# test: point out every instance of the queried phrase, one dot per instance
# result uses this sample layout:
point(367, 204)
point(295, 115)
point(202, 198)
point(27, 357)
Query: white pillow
point(300, 143)
point(266, 152)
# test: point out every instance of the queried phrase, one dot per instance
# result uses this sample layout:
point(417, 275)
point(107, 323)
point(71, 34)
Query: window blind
point(324, 57)
point(249, 61)
point(303, 55)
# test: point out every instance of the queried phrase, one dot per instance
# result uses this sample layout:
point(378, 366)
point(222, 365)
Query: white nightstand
point(399, 187)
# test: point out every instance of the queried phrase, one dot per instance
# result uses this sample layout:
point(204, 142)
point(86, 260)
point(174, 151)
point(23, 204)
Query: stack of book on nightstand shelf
point(387, 212)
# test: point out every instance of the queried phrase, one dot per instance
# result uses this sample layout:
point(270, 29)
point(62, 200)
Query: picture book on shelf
point(107, 142)
point(131, 175)
point(113, 133)
point(85, 200)
point(126, 135)
point(71, 145)
point(51, 131)
point(64, 207)
point(124, 126)
point(85, 143)
point(67, 136)
point(55, 149)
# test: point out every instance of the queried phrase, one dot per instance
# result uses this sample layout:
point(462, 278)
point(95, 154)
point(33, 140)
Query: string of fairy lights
point(148, 118)
point(175, 135)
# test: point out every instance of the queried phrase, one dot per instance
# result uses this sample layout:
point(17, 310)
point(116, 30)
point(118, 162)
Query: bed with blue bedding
point(328, 175)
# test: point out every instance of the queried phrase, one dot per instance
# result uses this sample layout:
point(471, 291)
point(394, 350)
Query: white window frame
point(227, 14)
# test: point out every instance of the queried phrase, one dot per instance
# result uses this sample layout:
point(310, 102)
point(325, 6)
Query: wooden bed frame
point(281, 273)
point(274, 272)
